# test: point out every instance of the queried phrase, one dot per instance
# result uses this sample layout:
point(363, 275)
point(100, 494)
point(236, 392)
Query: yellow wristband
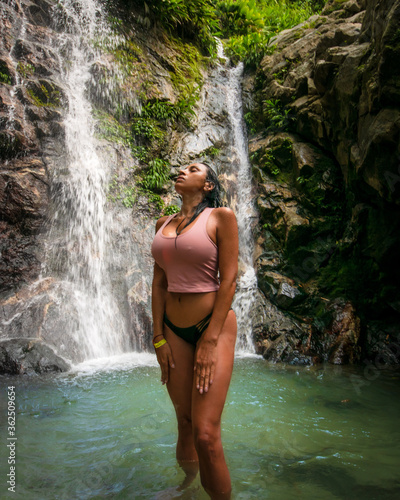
point(159, 344)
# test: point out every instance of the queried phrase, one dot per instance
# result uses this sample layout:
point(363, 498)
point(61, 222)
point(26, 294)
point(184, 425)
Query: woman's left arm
point(228, 252)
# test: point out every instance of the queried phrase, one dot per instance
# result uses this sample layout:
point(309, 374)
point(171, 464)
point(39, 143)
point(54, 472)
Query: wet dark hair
point(212, 198)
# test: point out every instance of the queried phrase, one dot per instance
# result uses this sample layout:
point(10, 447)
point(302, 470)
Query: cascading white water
point(222, 95)
point(247, 282)
point(80, 251)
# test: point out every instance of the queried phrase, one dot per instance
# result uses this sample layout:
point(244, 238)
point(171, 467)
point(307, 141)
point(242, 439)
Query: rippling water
point(107, 430)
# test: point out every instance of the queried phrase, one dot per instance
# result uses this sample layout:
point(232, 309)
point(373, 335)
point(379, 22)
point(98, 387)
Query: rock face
point(24, 183)
point(328, 176)
point(29, 356)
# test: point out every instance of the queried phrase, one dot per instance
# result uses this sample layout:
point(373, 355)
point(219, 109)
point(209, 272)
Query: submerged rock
point(29, 356)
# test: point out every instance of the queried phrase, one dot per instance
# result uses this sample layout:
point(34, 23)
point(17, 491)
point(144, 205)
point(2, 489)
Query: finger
point(197, 378)
point(212, 371)
point(171, 361)
point(206, 382)
point(165, 371)
point(202, 378)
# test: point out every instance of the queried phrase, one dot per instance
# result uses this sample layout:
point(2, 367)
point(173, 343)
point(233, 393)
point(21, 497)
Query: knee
point(184, 424)
point(206, 439)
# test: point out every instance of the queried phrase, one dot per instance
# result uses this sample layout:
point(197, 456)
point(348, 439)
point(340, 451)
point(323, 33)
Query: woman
point(196, 255)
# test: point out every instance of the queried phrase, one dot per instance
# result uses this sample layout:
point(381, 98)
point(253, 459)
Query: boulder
point(29, 356)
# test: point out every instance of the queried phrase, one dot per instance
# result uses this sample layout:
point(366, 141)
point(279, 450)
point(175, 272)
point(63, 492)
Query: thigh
point(181, 377)
point(207, 407)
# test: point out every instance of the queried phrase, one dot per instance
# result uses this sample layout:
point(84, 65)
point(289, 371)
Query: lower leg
point(186, 453)
point(214, 473)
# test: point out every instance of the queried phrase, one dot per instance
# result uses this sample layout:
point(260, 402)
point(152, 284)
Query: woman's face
point(191, 179)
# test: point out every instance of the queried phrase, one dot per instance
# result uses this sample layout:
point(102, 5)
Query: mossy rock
point(44, 93)
point(10, 145)
point(281, 149)
point(5, 75)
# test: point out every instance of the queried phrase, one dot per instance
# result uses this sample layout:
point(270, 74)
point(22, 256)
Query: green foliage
point(146, 128)
point(265, 159)
point(45, 95)
point(5, 78)
point(25, 69)
point(238, 17)
point(251, 122)
point(155, 200)
point(4, 73)
point(156, 175)
point(166, 111)
point(249, 25)
point(277, 117)
point(140, 152)
point(249, 48)
point(171, 209)
point(192, 20)
point(211, 152)
point(109, 128)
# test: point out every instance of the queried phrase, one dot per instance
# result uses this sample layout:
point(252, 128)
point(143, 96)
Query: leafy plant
point(171, 209)
point(5, 78)
point(167, 111)
point(4, 73)
point(156, 175)
point(277, 117)
point(146, 128)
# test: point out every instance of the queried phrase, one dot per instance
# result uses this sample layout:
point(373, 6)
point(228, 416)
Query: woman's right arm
point(158, 298)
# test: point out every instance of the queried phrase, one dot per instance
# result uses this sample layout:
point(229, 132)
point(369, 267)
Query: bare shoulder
point(160, 222)
point(224, 215)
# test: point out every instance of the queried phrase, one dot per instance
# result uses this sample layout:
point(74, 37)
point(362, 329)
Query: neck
point(189, 204)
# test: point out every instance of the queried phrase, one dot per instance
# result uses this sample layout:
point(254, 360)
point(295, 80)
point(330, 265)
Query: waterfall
point(244, 209)
point(79, 243)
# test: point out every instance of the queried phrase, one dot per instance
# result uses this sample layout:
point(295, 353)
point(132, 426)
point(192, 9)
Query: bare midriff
point(187, 309)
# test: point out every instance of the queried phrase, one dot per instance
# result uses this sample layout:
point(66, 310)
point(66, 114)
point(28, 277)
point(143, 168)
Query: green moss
point(25, 69)
point(211, 152)
point(44, 94)
point(109, 128)
point(5, 76)
point(188, 64)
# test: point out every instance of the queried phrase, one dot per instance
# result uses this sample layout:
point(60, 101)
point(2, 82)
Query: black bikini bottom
point(191, 333)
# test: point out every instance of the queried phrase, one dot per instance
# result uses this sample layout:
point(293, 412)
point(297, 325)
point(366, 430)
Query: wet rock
point(44, 311)
point(280, 289)
point(382, 344)
point(346, 331)
point(28, 356)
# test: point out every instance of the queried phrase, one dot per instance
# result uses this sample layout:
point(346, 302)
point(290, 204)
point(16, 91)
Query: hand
point(165, 360)
point(204, 364)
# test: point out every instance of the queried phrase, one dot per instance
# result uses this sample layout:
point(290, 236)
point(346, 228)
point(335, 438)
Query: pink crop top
point(192, 265)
